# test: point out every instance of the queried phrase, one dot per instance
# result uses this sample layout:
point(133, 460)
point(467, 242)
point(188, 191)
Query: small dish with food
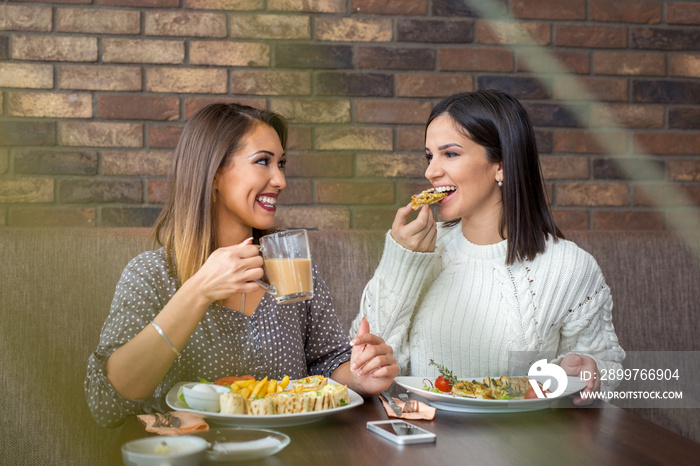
point(203, 396)
point(181, 450)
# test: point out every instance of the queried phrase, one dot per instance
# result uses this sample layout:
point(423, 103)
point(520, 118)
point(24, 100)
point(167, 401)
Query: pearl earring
point(500, 183)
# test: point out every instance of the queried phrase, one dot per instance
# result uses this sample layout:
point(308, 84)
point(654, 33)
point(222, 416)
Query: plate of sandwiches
point(306, 400)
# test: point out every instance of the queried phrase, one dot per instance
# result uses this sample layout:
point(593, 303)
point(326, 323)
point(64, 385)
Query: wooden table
point(561, 435)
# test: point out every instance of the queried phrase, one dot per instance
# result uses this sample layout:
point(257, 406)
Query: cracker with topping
point(427, 197)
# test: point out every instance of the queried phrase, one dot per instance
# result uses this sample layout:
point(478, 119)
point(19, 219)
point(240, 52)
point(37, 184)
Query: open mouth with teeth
point(267, 202)
point(431, 196)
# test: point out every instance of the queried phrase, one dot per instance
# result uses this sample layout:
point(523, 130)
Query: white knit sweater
point(465, 308)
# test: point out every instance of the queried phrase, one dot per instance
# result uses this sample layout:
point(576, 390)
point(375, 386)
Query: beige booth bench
point(56, 287)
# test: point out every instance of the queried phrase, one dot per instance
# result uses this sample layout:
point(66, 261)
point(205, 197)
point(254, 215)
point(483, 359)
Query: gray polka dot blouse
point(297, 339)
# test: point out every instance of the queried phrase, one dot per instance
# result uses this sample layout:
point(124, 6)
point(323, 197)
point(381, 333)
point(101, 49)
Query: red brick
point(25, 18)
point(630, 116)
point(628, 220)
point(549, 9)
point(157, 191)
point(684, 65)
point(432, 85)
point(128, 216)
point(683, 169)
point(99, 134)
point(600, 89)
point(683, 13)
point(26, 76)
point(192, 104)
point(354, 192)
point(626, 11)
point(227, 53)
point(136, 162)
point(553, 61)
point(667, 143)
point(297, 192)
point(310, 6)
point(353, 29)
point(49, 104)
point(590, 36)
point(99, 78)
point(185, 24)
point(225, 5)
point(590, 142)
point(27, 190)
point(140, 3)
point(667, 195)
point(100, 190)
point(264, 82)
point(94, 21)
point(354, 138)
point(139, 107)
point(634, 64)
point(312, 217)
point(299, 138)
point(143, 51)
point(164, 137)
point(186, 80)
point(395, 58)
point(54, 216)
point(285, 27)
point(382, 111)
point(555, 167)
point(391, 165)
point(570, 219)
point(312, 110)
point(373, 218)
point(54, 162)
point(508, 33)
point(476, 59)
point(410, 138)
point(394, 7)
point(54, 48)
point(591, 194)
point(319, 165)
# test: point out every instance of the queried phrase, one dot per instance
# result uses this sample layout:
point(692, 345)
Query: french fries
point(252, 387)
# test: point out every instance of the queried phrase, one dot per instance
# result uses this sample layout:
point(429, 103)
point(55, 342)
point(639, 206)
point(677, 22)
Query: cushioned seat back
point(56, 288)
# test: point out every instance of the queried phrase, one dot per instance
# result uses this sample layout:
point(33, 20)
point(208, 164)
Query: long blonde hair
point(185, 226)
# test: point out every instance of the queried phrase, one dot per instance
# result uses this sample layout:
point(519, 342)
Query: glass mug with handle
point(287, 266)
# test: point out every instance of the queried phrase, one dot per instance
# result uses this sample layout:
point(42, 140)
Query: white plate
point(451, 402)
point(238, 443)
point(273, 420)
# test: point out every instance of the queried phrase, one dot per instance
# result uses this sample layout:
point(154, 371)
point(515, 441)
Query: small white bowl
point(203, 401)
point(179, 450)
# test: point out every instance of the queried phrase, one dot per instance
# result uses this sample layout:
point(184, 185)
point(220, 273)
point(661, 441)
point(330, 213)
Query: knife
point(387, 396)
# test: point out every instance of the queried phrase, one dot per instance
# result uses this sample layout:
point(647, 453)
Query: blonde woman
point(192, 307)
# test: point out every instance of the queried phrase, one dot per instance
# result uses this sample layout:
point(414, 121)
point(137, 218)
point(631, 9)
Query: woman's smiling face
point(247, 188)
point(459, 165)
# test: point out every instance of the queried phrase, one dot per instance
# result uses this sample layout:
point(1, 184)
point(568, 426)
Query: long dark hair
point(185, 226)
point(499, 123)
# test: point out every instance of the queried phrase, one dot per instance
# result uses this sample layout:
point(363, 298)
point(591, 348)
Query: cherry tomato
point(530, 393)
point(442, 384)
point(233, 378)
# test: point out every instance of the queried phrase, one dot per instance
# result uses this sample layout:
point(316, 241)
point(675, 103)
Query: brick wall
point(94, 94)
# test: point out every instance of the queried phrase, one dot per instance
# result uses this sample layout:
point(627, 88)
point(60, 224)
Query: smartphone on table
point(400, 432)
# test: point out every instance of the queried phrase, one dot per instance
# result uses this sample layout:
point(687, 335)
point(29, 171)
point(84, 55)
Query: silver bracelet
point(162, 334)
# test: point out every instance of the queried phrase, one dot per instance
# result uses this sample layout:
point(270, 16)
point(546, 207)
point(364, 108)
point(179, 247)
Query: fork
point(163, 418)
point(410, 405)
